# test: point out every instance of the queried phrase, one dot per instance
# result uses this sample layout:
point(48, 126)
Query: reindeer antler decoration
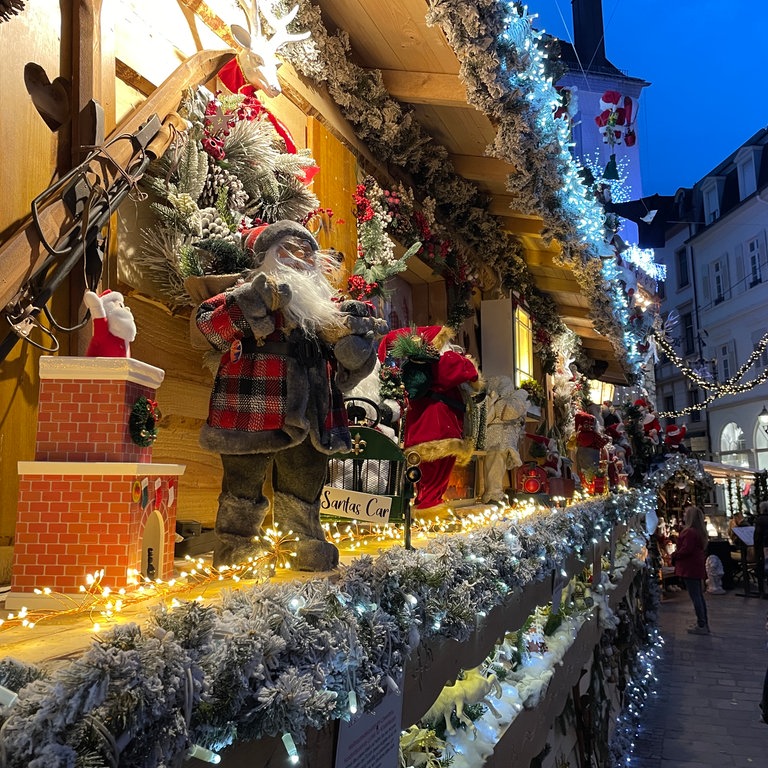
point(258, 55)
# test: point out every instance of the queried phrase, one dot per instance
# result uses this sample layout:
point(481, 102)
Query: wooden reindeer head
point(258, 54)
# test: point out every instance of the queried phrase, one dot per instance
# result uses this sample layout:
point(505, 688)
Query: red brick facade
point(87, 420)
point(85, 502)
point(72, 525)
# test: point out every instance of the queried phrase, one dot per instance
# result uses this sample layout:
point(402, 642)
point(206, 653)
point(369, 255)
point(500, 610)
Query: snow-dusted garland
point(395, 137)
point(682, 467)
point(281, 658)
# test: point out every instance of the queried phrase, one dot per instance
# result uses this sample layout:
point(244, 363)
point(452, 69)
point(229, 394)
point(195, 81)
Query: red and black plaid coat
point(261, 401)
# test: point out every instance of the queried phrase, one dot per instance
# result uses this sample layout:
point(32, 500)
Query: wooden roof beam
point(432, 88)
point(482, 168)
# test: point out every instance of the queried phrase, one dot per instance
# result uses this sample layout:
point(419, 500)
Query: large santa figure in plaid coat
point(288, 350)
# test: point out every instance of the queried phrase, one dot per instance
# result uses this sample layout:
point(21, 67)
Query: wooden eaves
point(420, 69)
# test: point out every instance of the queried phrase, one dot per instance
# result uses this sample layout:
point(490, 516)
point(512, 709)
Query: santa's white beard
point(311, 307)
point(121, 324)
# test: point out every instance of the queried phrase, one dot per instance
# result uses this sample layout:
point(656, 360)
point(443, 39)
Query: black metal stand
point(760, 573)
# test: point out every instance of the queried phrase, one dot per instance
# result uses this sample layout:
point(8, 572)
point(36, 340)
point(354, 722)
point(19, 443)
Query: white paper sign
point(364, 507)
point(373, 739)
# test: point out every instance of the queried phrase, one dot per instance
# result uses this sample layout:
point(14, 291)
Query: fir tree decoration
point(228, 171)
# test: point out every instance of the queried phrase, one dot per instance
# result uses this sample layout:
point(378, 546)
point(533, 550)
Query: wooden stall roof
point(420, 69)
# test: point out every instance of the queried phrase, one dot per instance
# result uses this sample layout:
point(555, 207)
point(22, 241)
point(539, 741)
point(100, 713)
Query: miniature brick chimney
point(92, 499)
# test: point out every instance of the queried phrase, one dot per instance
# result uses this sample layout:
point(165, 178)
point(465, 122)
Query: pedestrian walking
point(689, 560)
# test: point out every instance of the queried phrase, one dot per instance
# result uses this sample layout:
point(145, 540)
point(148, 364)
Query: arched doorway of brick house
point(153, 537)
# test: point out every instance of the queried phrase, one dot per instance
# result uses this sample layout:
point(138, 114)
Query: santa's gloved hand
point(358, 320)
point(274, 295)
point(94, 302)
point(354, 351)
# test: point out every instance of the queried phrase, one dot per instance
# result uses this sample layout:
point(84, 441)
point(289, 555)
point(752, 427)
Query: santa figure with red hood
point(434, 373)
point(649, 420)
point(673, 438)
point(589, 445)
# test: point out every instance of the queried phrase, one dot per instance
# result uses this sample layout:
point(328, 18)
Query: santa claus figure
point(287, 351)
point(622, 449)
point(673, 438)
point(589, 446)
point(649, 422)
point(113, 325)
point(434, 372)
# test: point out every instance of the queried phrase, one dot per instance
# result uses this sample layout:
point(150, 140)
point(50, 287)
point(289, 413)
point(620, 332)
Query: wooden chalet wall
point(28, 163)
point(131, 53)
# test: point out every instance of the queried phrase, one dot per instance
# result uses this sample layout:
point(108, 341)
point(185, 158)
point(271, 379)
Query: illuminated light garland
point(99, 603)
point(474, 571)
point(644, 259)
point(666, 346)
point(621, 191)
point(639, 690)
point(718, 389)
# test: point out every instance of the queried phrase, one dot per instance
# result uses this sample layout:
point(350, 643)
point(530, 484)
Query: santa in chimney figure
point(113, 325)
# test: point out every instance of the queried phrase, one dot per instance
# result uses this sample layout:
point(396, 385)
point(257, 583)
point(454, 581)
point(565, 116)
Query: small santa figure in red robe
point(434, 417)
point(113, 325)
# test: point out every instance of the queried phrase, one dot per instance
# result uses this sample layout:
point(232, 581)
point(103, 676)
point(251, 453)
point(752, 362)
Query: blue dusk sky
point(707, 62)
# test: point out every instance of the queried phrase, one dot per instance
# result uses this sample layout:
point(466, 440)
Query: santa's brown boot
point(313, 551)
point(238, 529)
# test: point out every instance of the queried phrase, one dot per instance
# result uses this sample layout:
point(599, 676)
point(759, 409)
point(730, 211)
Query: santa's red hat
point(108, 295)
point(584, 420)
point(642, 403)
point(436, 335)
point(675, 434)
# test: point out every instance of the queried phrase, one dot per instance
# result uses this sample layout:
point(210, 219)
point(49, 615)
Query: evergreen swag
point(229, 171)
point(281, 658)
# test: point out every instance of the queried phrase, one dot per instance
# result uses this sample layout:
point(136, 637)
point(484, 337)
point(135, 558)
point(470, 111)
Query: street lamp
point(762, 419)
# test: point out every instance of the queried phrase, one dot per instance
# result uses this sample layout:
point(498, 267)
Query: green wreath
point(142, 424)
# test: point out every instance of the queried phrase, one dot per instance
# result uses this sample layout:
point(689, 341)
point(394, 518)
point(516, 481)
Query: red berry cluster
point(218, 122)
point(363, 207)
point(359, 289)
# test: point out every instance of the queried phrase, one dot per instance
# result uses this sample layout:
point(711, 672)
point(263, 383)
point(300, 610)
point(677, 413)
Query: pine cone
point(217, 179)
point(212, 225)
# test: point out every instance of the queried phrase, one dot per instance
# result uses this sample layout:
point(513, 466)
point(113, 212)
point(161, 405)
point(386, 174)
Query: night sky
point(707, 62)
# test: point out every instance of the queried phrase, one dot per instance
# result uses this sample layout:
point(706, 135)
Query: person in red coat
point(434, 416)
point(689, 560)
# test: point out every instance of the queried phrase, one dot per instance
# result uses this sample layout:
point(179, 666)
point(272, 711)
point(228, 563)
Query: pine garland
point(280, 658)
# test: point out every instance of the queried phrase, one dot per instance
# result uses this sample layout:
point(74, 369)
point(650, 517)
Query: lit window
point(523, 346)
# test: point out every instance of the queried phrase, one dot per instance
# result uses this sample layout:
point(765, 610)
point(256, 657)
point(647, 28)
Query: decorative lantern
point(531, 479)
